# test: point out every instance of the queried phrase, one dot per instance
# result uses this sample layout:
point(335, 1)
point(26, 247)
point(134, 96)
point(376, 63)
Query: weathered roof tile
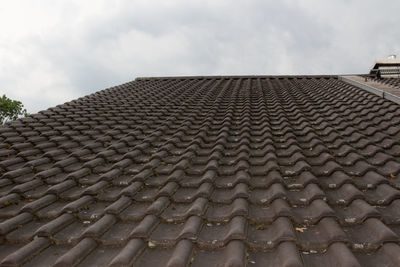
point(204, 171)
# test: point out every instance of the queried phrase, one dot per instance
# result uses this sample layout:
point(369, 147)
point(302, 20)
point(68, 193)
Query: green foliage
point(10, 109)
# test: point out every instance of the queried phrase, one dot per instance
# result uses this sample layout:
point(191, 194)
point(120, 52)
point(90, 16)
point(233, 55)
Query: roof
point(205, 171)
point(386, 62)
point(387, 67)
point(388, 88)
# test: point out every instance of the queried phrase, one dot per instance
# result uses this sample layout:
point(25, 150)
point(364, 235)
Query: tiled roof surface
point(394, 82)
point(234, 171)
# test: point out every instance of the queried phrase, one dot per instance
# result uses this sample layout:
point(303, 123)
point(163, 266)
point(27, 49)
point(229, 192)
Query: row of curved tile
point(233, 165)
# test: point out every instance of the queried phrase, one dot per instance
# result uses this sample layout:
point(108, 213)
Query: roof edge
point(379, 92)
point(235, 77)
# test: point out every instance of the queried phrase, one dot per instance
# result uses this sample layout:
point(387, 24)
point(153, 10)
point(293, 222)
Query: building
point(207, 171)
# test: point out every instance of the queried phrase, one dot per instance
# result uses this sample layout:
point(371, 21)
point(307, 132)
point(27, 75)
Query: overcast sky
point(54, 51)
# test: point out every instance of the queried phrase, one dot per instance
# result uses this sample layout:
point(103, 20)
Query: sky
point(52, 52)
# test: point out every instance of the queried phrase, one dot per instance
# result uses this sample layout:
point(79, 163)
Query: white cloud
point(55, 51)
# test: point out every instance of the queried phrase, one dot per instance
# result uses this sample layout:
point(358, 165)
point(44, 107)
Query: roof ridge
point(238, 76)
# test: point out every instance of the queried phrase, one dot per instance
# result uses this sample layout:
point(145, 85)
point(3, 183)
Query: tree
point(10, 109)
